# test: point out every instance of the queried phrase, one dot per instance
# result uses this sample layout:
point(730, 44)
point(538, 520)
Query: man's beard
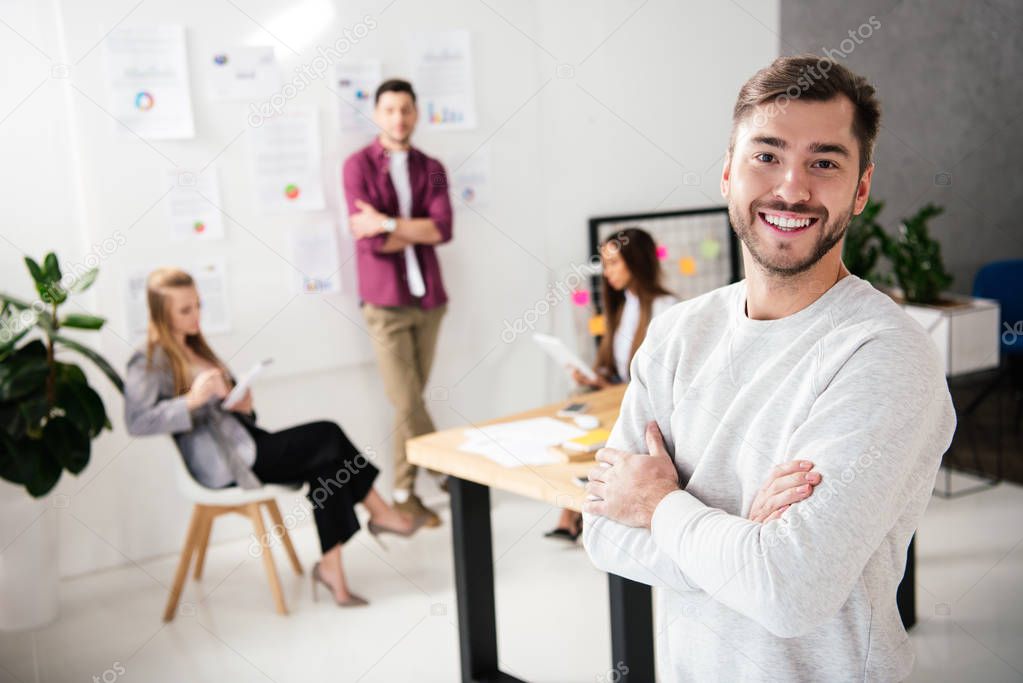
point(394, 139)
point(829, 233)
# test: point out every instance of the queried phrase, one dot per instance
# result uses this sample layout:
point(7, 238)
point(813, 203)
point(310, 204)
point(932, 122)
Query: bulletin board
point(697, 248)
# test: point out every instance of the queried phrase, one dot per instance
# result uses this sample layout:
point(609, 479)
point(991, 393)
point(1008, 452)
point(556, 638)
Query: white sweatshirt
point(850, 383)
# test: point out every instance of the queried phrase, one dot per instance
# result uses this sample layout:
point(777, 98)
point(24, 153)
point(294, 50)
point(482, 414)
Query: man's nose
point(793, 188)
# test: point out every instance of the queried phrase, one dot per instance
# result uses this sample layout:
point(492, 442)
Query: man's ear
point(863, 190)
point(726, 172)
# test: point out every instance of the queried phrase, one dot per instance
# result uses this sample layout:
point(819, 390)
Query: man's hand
point(368, 222)
point(788, 483)
point(628, 487)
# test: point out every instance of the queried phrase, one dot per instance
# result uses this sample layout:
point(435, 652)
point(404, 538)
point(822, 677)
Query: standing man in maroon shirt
point(399, 209)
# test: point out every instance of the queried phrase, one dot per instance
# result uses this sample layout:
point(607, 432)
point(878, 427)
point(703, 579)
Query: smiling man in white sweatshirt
point(799, 360)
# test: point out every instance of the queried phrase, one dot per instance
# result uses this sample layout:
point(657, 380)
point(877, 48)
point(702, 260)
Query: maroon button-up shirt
point(383, 280)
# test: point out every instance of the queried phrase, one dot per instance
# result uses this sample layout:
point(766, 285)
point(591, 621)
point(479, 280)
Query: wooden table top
point(549, 483)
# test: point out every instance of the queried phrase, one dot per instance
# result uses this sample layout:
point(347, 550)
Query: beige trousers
point(404, 340)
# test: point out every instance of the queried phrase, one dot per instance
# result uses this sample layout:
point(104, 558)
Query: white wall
point(587, 109)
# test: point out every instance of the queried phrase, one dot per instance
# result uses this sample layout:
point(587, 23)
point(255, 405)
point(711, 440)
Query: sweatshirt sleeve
point(145, 413)
point(876, 433)
point(613, 547)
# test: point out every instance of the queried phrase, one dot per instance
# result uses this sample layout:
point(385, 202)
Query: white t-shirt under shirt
point(629, 324)
point(398, 169)
point(850, 383)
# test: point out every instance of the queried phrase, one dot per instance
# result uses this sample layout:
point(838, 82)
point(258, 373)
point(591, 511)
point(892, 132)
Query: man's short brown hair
point(814, 79)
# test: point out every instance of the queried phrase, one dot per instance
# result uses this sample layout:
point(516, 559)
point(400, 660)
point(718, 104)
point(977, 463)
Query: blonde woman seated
point(176, 385)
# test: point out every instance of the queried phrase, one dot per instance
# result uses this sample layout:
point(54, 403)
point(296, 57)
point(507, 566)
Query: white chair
point(210, 504)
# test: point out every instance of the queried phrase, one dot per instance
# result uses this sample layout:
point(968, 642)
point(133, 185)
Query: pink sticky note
point(580, 297)
point(662, 252)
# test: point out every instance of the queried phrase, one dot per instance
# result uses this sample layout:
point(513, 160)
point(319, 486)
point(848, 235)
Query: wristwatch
point(389, 224)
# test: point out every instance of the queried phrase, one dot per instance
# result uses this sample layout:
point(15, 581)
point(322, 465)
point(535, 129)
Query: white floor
point(551, 604)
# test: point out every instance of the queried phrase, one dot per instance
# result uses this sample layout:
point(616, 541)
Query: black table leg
point(905, 596)
point(632, 630)
point(474, 582)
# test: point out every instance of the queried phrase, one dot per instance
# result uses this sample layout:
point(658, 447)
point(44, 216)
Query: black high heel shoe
point(563, 534)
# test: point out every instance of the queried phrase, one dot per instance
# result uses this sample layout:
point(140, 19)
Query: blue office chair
point(1003, 282)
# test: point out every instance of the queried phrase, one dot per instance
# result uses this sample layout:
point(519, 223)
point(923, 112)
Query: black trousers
point(319, 454)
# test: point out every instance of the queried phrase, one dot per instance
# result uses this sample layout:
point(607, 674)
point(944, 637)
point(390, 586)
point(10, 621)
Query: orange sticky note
point(687, 265)
point(597, 326)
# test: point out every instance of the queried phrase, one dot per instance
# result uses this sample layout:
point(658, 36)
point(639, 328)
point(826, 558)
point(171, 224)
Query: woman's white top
point(628, 324)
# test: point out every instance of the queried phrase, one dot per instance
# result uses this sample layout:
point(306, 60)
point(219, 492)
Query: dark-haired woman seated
point(633, 295)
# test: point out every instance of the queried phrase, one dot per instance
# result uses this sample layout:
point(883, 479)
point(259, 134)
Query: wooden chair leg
point(202, 541)
point(268, 559)
point(275, 515)
point(198, 514)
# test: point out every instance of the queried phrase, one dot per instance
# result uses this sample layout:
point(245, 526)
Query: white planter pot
point(28, 563)
point(965, 333)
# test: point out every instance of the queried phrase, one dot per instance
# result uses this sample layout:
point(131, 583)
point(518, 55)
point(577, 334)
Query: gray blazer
point(216, 447)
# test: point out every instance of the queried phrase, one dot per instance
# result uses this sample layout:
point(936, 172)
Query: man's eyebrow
point(770, 141)
point(828, 148)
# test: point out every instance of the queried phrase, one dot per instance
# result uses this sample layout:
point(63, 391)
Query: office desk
point(472, 477)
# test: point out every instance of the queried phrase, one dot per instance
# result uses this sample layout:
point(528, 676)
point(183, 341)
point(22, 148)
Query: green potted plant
point(49, 415)
point(864, 239)
point(965, 329)
point(917, 267)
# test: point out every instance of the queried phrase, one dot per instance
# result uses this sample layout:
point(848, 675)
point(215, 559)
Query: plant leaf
point(65, 442)
point(51, 268)
point(69, 372)
point(100, 362)
point(11, 467)
point(83, 321)
point(35, 271)
point(43, 470)
point(83, 406)
point(7, 346)
point(20, 377)
point(85, 281)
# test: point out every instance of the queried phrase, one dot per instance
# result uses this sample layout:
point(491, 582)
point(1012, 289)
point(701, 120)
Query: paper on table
point(522, 442)
point(239, 389)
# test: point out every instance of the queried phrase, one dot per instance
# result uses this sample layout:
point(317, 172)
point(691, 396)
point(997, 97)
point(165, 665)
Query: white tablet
point(557, 350)
point(238, 393)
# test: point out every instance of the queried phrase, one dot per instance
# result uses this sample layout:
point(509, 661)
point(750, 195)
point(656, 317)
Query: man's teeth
point(787, 223)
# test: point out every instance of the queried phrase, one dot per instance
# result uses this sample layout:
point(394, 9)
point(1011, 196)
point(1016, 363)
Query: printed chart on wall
point(242, 73)
point(193, 205)
point(355, 84)
point(442, 74)
point(694, 247)
point(314, 255)
point(287, 166)
point(470, 179)
point(147, 78)
point(211, 281)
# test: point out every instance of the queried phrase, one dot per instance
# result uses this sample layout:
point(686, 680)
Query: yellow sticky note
point(597, 326)
point(687, 265)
